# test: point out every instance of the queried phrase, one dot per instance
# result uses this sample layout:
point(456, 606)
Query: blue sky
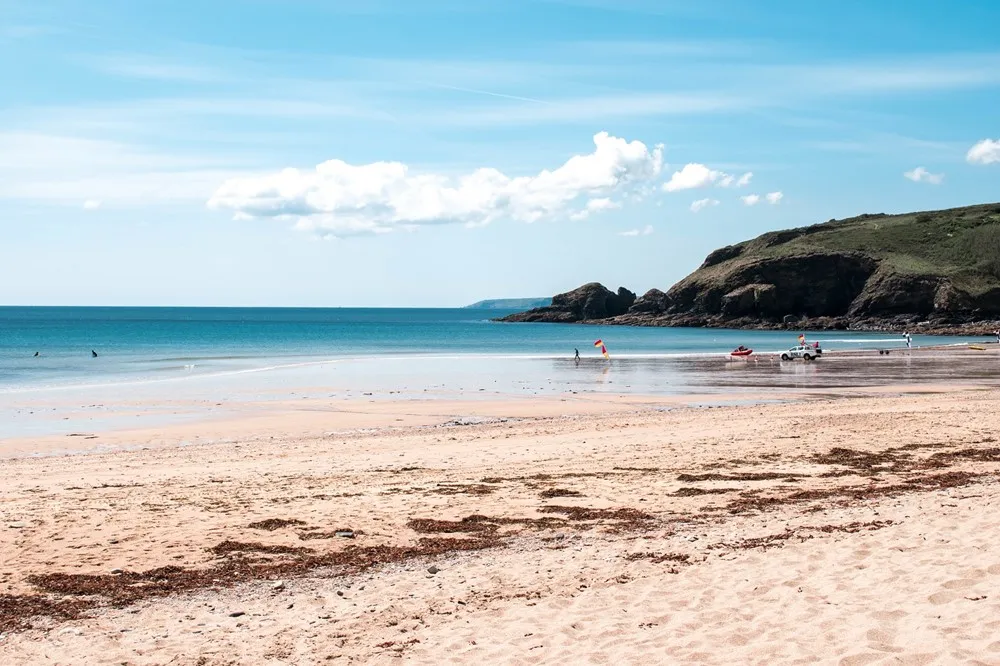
point(144, 145)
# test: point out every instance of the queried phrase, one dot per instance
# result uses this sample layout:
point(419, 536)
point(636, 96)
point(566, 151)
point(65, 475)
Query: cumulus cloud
point(922, 175)
point(341, 199)
point(91, 204)
point(647, 230)
point(696, 175)
point(986, 151)
point(750, 199)
point(692, 176)
point(774, 197)
point(703, 203)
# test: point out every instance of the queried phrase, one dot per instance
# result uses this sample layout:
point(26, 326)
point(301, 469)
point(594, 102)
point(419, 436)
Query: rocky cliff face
point(590, 302)
point(873, 271)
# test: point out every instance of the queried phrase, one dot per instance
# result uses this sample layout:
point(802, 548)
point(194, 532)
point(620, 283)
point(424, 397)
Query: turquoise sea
point(150, 344)
point(160, 365)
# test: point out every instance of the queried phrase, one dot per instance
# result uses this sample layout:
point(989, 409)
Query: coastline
point(508, 528)
point(918, 325)
point(360, 391)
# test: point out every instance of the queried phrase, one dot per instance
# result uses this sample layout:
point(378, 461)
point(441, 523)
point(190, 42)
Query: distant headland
point(930, 272)
point(511, 303)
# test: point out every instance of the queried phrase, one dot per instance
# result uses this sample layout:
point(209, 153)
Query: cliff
point(590, 302)
point(937, 270)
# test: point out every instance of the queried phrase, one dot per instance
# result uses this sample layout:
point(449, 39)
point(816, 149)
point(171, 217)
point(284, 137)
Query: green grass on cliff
point(962, 244)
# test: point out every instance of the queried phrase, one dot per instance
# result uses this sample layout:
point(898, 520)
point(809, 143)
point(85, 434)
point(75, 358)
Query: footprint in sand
point(959, 583)
point(939, 598)
point(880, 637)
point(861, 659)
point(889, 616)
point(974, 573)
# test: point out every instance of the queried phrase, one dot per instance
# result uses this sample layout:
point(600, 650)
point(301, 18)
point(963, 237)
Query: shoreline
point(214, 408)
point(978, 328)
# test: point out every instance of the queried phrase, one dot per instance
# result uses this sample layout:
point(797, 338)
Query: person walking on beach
point(93, 354)
point(576, 357)
point(997, 333)
point(908, 340)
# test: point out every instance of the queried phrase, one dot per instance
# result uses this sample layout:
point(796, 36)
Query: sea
point(163, 354)
point(149, 344)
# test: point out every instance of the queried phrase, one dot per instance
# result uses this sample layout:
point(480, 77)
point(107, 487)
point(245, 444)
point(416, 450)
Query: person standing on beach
point(908, 340)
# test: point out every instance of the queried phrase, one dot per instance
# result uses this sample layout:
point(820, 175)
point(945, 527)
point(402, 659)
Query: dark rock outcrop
point(890, 294)
point(590, 302)
point(653, 301)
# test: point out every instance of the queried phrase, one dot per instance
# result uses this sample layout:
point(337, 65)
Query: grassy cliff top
point(962, 244)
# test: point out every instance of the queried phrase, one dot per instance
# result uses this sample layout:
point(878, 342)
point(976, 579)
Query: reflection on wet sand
point(677, 375)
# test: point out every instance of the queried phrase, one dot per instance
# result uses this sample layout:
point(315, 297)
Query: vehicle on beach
point(741, 351)
point(805, 352)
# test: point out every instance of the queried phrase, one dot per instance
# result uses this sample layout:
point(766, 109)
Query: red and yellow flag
point(604, 350)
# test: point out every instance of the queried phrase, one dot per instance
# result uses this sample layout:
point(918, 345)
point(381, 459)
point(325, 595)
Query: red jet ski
point(741, 351)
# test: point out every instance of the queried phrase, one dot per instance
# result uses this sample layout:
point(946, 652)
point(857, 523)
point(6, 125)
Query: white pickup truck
point(805, 352)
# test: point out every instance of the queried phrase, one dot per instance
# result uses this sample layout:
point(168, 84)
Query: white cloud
point(344, 199)
point(750, 199)
point(728, 180)
point(922, 175)
point(696, 175)
point(774, 197)
point(986, 151)
point(595, 205)
point(703, 203)
point(638, 232)
point(692, 176)
point(91, 204)
point(602, 204)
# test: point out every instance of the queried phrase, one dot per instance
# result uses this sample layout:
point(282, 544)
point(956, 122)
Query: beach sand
point(844, 529)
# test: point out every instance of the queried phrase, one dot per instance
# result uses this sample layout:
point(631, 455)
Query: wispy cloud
point(919, 72)
point(750, 199)
point(922, 175)
point(592, 109)
point(877, 143)
point(701, 204)
point(156, 69)
point(18, 32)
point(669, 49)
point(774, 198)
point(488, 93)
point(645, 231)
point(68, 170)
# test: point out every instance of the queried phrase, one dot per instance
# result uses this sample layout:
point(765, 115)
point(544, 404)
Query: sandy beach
point(848, 528)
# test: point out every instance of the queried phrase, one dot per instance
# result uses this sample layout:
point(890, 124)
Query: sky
point(432, 153)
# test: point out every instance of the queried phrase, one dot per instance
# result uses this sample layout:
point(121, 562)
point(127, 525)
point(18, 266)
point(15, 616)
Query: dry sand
point(852, 530)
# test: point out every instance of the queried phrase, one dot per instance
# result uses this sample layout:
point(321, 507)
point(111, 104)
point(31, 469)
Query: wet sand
point(363, 393)
point(848, 526)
